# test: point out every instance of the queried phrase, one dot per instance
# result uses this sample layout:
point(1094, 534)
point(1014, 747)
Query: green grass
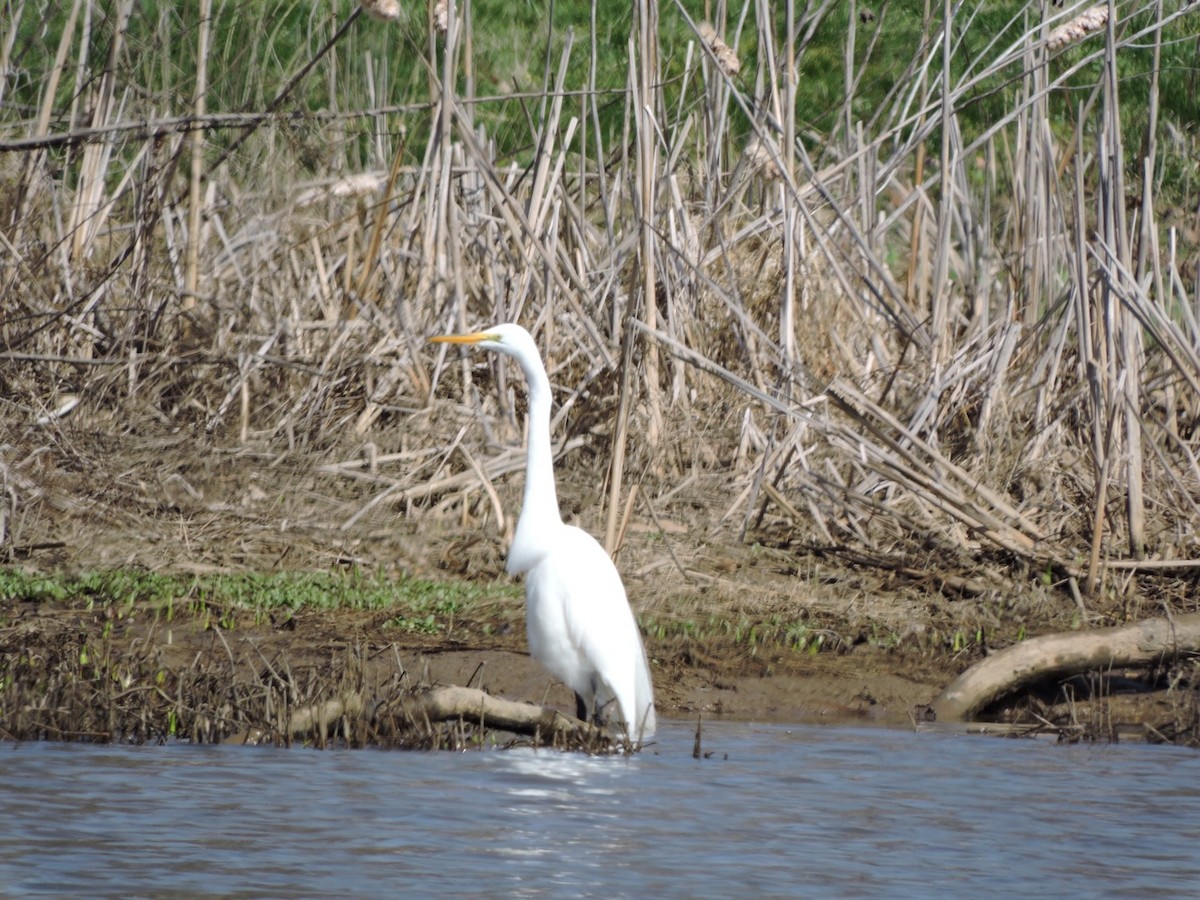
point(514, 43)
point(417, 606)
point(420, 605)
point(748, 633)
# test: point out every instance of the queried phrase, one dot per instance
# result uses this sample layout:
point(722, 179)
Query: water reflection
point(805, 811)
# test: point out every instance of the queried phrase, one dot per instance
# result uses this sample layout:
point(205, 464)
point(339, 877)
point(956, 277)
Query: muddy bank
point(130, 674)
point(219, 674)
point(734, 629)
point(766, 629)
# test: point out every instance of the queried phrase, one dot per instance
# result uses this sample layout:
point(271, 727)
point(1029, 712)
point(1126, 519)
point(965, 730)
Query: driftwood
point(1059, 655)
point(319, 716)
point(447, 704)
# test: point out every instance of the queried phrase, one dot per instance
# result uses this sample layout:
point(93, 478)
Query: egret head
point(508, 338)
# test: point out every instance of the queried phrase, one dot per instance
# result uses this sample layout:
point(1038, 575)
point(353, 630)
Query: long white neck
point(539, 506)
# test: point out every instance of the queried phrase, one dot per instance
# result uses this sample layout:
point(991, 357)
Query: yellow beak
point(473, 338)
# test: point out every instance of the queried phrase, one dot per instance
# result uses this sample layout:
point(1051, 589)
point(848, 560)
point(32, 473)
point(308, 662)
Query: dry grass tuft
point(760, 158)
point(441, 16)
point(364, 184)
point(381, 10)
point(727, 59)
point(1092, 19)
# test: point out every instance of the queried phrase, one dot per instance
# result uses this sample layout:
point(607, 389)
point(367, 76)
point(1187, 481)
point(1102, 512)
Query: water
point(806, 811)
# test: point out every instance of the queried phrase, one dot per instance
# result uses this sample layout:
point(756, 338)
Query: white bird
point(577, 617)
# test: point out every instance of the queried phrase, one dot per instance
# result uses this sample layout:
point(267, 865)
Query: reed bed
point(921, 342)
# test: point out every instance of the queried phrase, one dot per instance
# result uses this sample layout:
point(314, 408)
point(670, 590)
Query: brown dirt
point(166, 504)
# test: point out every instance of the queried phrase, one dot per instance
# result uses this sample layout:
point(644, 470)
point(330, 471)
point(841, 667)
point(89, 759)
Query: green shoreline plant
point(419, 604)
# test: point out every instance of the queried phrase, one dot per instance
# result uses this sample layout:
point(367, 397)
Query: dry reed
point(934, 357)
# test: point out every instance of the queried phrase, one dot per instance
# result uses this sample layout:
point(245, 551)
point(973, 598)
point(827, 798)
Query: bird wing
point(601, 624)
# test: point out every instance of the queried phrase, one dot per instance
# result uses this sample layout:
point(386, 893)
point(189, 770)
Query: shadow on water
point(775, 810)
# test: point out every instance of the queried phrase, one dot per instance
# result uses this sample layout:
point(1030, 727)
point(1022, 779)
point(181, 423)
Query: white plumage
point(578, 619)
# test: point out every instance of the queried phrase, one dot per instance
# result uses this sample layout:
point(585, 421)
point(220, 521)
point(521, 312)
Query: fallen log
point(1022, 665)
point(319, 716)
point(453, 702)
point(450, 703)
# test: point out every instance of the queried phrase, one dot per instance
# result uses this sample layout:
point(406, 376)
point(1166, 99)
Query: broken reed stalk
point(86, 210)
point(1130, 335)
point(643, 72)
point(200, 108)
point(7, 40)
point(42, 126)
point(792, 221)
point(616, 467)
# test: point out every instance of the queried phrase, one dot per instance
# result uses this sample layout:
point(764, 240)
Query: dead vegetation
point(962, 363)
point(64, 679)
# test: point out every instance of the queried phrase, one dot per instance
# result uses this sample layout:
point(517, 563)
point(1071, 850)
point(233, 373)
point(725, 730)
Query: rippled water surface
point(815, 811)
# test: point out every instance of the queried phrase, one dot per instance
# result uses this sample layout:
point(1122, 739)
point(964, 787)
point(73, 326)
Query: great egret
point(577, 617)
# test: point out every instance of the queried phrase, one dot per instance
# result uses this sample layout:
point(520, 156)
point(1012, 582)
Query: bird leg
point(593, 715)
point(582, 713)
